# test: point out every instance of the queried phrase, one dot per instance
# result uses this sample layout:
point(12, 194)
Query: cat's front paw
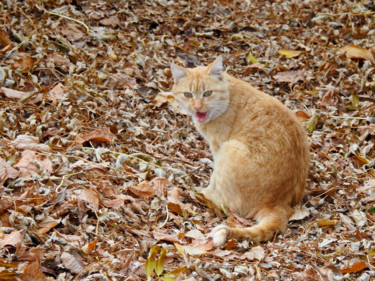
point(219, 235)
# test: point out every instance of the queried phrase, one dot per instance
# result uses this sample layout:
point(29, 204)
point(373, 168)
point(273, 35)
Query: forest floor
point(98, 174)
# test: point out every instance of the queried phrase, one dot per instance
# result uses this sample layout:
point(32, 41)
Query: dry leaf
point(23, 142)
point(160, 236)
point(255, 253)
point(290, 76)
point(356, 52)
point(47, 224)
point(72, 263)
point(303, 116)
point(32, 163)
point(7, 171)
point(300, 214)
point(57, 93)
point(13, 94)
point(143, 190)
point(289, 53)
point(90, 196)
point(98, 135)
point(88, 248)
point(355, 267)
point(33, 272)
point(112, 21)
point(13, 239)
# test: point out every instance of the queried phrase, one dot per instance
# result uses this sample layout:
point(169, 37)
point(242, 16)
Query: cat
point(260, 149)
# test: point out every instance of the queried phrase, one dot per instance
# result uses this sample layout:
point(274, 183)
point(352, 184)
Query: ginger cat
point(261, 152)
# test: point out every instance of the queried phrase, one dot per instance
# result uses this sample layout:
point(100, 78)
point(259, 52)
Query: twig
point(167, 218)
point(69, 18)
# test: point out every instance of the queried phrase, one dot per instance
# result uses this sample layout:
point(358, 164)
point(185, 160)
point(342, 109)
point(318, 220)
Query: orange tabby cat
point(260, 150)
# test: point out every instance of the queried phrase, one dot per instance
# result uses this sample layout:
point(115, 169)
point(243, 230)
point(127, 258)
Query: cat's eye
point(188, 95)
point(207, 94)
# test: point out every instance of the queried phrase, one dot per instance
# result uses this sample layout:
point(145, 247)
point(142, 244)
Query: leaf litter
point(100, 177)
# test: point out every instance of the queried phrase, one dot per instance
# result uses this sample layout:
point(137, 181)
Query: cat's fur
point(260, 150)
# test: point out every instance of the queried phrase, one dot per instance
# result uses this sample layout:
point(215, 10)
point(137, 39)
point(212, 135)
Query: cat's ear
point(178, 72)
point(216, 67)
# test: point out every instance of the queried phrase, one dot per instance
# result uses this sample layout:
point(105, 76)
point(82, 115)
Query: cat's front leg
point(212, 193)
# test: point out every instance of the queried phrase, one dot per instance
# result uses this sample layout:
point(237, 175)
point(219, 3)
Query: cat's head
point(202, 91)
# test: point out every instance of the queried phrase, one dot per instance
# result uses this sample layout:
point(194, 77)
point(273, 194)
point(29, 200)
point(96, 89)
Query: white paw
point(219, 235)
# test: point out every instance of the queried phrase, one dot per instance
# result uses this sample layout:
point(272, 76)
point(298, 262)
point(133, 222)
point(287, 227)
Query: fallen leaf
point(89, 247)
point(327, 222)
point(90, 196)
point(72, 263)
point(160, 236)
point(7, 171)
point(255, 253)
point(33, 272)
point(355, 267)
point(142, 190)
point(13, 239)
point(32, 163)
point(290, 76)
point(356, 52)
point(13, 94)
point(300, 214)
point(57, 93)
point(112, 21)
point(303, 116)
point(23, 142)
point(47, 224)
point(289, 53)
point(98, 135)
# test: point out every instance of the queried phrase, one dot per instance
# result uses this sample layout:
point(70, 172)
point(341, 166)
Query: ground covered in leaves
point(98, 173)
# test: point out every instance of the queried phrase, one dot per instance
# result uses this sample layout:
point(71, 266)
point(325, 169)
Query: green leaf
point(160, 262)
point(252, 59)
point(355, 103)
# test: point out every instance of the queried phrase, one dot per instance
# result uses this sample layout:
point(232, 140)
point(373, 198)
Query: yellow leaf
point(325, 222)
point(355, 52)
point(180, 249)
point(289, 53)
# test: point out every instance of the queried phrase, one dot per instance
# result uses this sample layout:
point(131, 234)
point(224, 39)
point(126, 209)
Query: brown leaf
point(143, 190)
point(7, 171)
point(27, 166)
point(47, 224)
point(57, 93)
point(112, 21)
point(356, 267)
point(356, 52)
point(88, 248)
point(13, 94)
point(303, 116)
point(13, 239)
point(33, 272)
point(290, 76)
point(23, 60)
point(160, 236)
point(23, 142)
point(72, 263)
point(32, 254)
point(329, 98)
point(90, 196)
point(98, 135)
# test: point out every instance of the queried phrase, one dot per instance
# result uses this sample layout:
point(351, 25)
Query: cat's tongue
point(201, 116)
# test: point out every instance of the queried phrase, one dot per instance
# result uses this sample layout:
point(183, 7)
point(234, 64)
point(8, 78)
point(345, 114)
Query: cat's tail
point(270, 224)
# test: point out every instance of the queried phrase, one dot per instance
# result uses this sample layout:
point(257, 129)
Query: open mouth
point(201, 116)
